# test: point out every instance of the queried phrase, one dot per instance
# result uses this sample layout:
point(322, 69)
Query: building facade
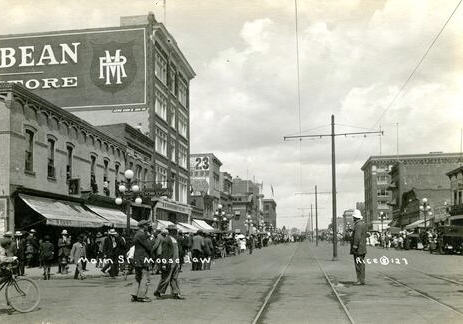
point(270, 213)
point(135, 67)
point(396, 185)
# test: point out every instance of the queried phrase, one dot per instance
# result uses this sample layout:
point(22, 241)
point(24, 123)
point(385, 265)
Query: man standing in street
point(197, 250)
point(141, 258)
point(358, 246)
point(170, 265)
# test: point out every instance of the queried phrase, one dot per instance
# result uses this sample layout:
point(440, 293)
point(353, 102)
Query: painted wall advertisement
point(89, 70)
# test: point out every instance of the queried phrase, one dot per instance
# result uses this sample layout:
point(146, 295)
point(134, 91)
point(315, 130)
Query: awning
point(419, 223)
point(202, 225)
point(114, 218)
point(187, 228)
point(163, 224)
point(63, 213)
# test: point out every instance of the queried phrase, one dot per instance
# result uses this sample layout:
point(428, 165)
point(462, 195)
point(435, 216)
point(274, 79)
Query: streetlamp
point(220, 217)
point(248, 223)
point(382, 217)
point(127, 190)
point(426, 209)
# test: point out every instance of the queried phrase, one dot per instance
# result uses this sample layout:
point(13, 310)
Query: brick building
point(395, 185)
point(137, 67)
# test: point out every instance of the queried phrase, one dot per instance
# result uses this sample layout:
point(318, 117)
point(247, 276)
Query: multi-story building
point(395, 185)
point(247, 197)
point(270, 213)
point(55, 165)
point(455, 207)
point(135, 67)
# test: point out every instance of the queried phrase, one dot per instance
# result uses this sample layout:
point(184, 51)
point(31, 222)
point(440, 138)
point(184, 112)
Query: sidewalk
point(92, 272)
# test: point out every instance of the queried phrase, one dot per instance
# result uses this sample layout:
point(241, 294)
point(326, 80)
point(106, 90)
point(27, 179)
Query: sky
point(268, 69)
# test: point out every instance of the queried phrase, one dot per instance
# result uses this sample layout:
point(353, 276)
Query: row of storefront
point(51, 213)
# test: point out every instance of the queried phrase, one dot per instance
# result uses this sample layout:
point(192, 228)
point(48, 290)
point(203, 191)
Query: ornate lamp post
point(426, 209)
point(248, 223)
point(382, 217)
point(128, 189)
point(220, 217)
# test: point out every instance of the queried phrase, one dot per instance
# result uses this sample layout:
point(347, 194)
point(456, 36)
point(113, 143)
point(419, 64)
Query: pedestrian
point(64, 249)
point(141, 257)
point(182, 247)
point(156, 251)
point(197, 250)
point(208, 252)
point(111, 247)
point(77, 255)
point(32, 249)
point(20, 252)
point(358, 246)
point(46, 254)
point(99, 240)
point(170, 266)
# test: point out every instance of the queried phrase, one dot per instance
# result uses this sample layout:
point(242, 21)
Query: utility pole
point(333, 174)
point(316, 209)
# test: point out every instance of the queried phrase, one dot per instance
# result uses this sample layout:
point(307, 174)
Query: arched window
point(29, 156)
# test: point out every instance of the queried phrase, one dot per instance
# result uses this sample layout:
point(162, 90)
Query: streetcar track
point(338, 297)
point(424, 294)
point(274, 286)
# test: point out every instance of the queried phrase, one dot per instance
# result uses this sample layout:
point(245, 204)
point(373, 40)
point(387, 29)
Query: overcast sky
point(354, 57)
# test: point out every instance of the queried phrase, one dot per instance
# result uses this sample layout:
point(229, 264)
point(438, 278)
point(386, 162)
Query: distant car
point(450, 239)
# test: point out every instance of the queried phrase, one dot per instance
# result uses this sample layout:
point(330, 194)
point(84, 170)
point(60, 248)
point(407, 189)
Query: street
point(276, 284)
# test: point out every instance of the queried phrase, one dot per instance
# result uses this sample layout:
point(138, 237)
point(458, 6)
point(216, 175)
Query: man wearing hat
point(141, 257)
point(20, 251)
point(170, 264)
point(64, 250)
point(358, 246)
point(111, 247)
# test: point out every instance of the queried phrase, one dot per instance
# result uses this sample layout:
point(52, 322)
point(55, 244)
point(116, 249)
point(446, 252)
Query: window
point(161, 176)
point(29, 158)
point(182, 125)
point(172, 116)
point(160, 67)
point(182, 190)
point(105, 178)
point(51, 158)
point(182, 156)
point(172, 80)
point(116, 178)
point(93, 184)
point(182, 91)
point(69, 149)
point(382, 179)
point(138, 171)
point(382, 193)
point(161, 141)
point(161, 105)
point(172, 149)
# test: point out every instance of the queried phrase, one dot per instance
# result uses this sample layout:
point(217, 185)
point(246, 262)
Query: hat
point(357, 214)
point(112, 231)
point(32, 231)
point(46, 237)
point(164, 231)
point(8, 234)
point(64, 232)
point(18, 233)
point(144, 222)
point(98, 234)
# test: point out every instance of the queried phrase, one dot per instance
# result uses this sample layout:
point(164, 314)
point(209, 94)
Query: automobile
point(450, 239)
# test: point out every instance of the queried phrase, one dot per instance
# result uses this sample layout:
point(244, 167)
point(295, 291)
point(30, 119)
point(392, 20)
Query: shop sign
point(79, 70)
